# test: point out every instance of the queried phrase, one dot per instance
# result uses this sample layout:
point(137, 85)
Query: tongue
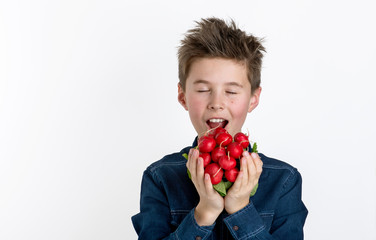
point(217, 124)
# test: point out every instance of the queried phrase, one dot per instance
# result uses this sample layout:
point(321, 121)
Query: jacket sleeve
point(154, 219)
point(289, 216)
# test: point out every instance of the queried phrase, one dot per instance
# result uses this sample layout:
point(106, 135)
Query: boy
point(219, 73)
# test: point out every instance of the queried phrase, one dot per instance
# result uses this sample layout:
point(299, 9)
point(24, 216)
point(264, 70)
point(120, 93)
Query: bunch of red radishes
point(221, 153)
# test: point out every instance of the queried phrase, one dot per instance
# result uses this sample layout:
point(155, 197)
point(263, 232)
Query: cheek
point(195, 105)
point(240, 108)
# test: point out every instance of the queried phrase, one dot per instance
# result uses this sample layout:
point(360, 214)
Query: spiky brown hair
point(214, 38)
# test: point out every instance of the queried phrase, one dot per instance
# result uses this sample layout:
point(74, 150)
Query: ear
point(181, 97)
point(255, 98)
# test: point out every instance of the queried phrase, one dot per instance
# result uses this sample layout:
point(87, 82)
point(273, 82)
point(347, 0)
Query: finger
point(208, 183)
point(199, 178)
point(246, 160)
point(238, 182)
point(242, 177)
point(192, 158)
point(258, 163)
point(200, 167)
point(251, 167)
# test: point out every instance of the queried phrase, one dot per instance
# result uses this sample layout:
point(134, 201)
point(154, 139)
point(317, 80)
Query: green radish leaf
point(228, 184)
point(186, 157)
point(254, 190)
point(220, 188)
point(254, 148)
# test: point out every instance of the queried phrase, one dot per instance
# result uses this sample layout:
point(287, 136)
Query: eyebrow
point(201, 81)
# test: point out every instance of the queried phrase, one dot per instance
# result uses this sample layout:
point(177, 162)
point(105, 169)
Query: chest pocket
point(178, 216)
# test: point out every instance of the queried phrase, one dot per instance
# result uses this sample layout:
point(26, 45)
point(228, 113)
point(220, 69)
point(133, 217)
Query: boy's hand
point(250, 171)
point(211, 203)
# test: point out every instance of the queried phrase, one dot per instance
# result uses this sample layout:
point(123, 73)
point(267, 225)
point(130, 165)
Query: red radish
point(235, 149)
point(231, 174)
point(220, 130)
point(206, 158)
point(242, 139)
point(217, 153)
point(223, 139)
point(206, 144)
point(221, 152)
point(215, 131)
point(227, 162)
point(215, 172)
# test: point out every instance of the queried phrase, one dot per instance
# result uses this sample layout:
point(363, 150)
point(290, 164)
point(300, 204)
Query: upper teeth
point(216, 120)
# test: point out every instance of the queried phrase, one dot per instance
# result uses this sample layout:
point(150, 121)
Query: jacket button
point(198, 238)
point(236, 228)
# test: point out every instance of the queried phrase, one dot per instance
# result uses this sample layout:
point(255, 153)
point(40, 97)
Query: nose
point(216, 102)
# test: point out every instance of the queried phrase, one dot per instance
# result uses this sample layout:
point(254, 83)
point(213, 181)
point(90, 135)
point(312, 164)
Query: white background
point(88, 101)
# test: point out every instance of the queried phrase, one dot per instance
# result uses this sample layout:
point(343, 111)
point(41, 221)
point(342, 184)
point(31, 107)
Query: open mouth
point(217, 122)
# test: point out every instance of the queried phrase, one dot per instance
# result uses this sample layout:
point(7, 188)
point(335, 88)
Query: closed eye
point(231, 92)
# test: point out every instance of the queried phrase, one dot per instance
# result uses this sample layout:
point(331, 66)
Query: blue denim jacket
point(168, 200)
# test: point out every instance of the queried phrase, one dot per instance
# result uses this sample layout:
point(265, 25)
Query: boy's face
point(218, 93)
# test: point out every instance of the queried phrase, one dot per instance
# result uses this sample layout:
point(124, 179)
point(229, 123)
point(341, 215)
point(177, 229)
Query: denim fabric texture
point(168, 200)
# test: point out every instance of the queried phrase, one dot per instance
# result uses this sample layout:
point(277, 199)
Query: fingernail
point(254, 155)
point(193, 152)
point(245, 153)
